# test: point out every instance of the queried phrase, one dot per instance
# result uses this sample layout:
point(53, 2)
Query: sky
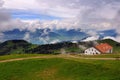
point(89, 15)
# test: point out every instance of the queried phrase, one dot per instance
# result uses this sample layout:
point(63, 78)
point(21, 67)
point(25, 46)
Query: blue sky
point(27, 15)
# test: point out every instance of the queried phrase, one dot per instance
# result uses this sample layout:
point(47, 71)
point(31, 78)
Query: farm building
point(92, 51)
point(99, 49)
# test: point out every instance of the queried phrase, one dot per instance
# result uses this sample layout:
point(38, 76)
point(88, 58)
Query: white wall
point(110, 51)
point(92, 51)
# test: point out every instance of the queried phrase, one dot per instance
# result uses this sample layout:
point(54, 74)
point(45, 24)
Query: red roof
point(103, 47)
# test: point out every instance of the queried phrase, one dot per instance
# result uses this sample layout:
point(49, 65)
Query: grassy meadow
point(14, 56)
point(101, 56)
point(60, 69)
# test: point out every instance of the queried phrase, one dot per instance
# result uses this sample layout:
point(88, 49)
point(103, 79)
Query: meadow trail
point(57, 56)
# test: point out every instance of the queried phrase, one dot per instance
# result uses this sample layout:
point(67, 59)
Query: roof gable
point(103, 47)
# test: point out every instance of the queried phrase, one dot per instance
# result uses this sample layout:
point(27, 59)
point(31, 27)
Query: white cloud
point(113, 38)
point(44, 40)
point(74, 41)
point(20, 4)
point(27, 37)
point(1, 35)
point(54, 41)
point(118, 38)
point(92, 38)
point(85, 9)
point(1, 3)
point(42, 7)
point(4, 15)
point(92, 33)
point(109, 37)
point(12, 24)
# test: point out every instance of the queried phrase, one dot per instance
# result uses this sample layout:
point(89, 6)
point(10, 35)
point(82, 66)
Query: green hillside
point(14, 47)
point(54, 48)
point(21, 46)
point(116, 45)
point(110, 41)
point(60, 69)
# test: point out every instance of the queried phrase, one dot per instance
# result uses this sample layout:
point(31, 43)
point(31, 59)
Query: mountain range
point(48, 36)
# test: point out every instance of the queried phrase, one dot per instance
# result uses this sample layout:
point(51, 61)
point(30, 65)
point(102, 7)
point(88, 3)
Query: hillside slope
point(14, 46)
point(70, 47)
point(21, 46)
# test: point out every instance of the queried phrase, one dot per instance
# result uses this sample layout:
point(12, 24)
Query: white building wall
point(110, 51)
point(92, 51)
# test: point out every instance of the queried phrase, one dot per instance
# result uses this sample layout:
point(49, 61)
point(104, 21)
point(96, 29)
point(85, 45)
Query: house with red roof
point(102, 48)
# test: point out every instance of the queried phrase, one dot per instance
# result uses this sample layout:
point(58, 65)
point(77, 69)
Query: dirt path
point(97, 58)
point(57, 56)
point(19, 59)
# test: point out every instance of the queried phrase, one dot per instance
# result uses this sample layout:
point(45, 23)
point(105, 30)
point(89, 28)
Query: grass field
point(60, 69)
point(101, 56)
point(14, 56)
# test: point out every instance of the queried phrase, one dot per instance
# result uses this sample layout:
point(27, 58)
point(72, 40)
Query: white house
point(92, 51)
point(102, 48)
